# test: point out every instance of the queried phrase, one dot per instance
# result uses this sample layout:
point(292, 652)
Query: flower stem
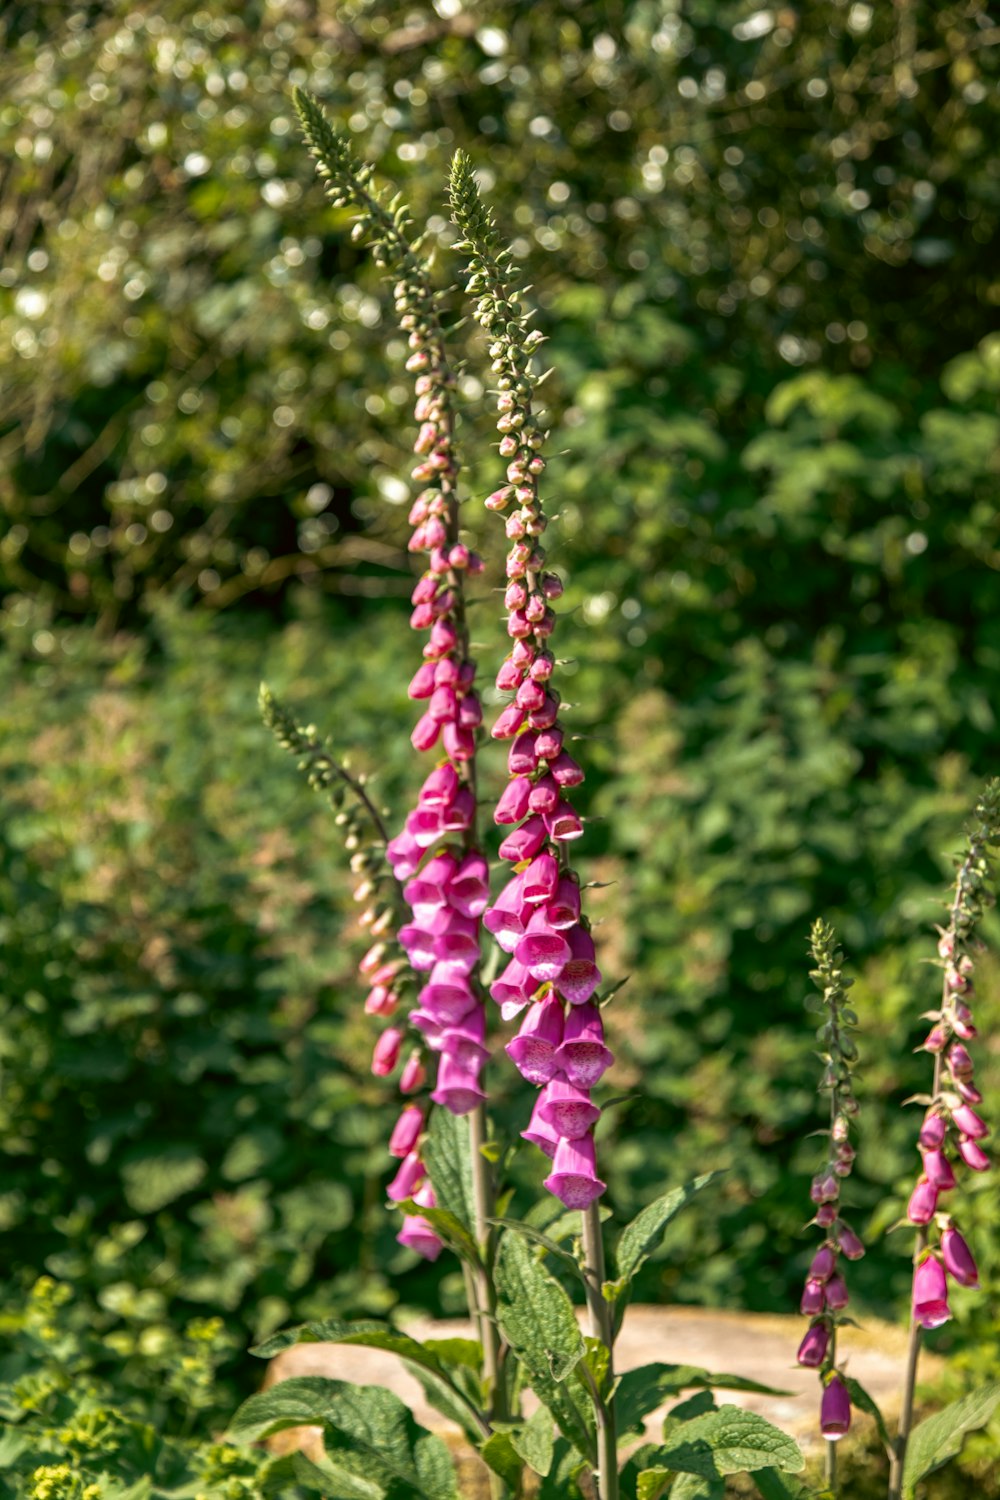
point(898, 1458)
point(601, 1327)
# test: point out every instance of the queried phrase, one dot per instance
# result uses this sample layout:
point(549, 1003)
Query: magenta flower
point(386, 1053)
point(930, 1294)
point(583, 1055)
point(406, 1131)
point(533, 1050)
point(417, 1234)
point(408, 1178)
point(539, 1132)
point(923, 1202)
point(958, 1258)
point(573, 1179)
point(812, 1350)
point(568, 1109)
point(835, 1410)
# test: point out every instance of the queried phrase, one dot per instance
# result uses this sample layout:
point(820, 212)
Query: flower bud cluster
point(952, 1130)
point(435, 857)
point(552, 976)
point(825, 1295)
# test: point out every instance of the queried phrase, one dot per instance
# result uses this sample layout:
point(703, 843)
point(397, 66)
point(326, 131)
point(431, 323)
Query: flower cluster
point(952, 1131)
point(552, 977)
point(443, 874)
point(825, 1295)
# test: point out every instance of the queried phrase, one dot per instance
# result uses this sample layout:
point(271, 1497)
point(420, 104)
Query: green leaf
point(427, 1363)
point(535, 1441)
point(155, 1178)
point(861, 1399)
point(319, 1474)
point(774, 1485)
point(536, 1318)
point(642, 1390)
point(538, 1238)
point(370, 1434)
point(448, 1155)
point(499, 1453)
point(467, 1353)
point(560, 1482)
point(652, 1483)
point(940, 1437)
point(695, 1406)
point(535, 1314)
point(639, 1239)
point(694, 1487)
point(729, 1441)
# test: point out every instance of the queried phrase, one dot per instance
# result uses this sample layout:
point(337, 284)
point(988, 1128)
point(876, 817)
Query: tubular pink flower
point(469, 887)
point(406, 1131)
point(507, 918)
point(458, 1087)
point(386, 1053)
point(958, 1258)
point(583, 1055)
point(539, 1132)
point(813, 1299)
point(973, 1154)
point(533, 1050)
point(824, 1263)
point(567, 1108)
point(923, 1202)
point(563, 910)
point(573, 1179)
point(850, 1246)
point(969, 1123)
point(930, 1294)
point(408, 1178)
point(580, 976)
point(836, 1294)
point(513, 989)
point(938, 1170)
point(543, 951)
point(414, 1074)
point(835, 1410)
point(812, 1350)
point(418, 1235)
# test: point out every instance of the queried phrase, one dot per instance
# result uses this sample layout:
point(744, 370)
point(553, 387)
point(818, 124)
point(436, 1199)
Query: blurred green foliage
point(759, 242)
point(69, 1435)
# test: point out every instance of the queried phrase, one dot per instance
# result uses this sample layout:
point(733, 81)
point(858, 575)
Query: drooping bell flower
point(458, 1088)
point(543, 951)
point(408, 1178)
point(539, 1132)
point(958, 1258)
point(386, 1053)
point(533, 1050)
point(835, 1410)
point(812, 1350)
point(573, 1179)
point(568, 1109)
point(583, 1056)
point(579, 977)
point(513, 989)
point(923, 1202)
point(406, 1131)
point(930, 1294)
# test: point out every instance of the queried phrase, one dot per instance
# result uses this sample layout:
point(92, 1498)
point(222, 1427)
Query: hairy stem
point(601, 1327)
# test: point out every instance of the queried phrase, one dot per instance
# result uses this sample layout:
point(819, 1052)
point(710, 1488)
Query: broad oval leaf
point(535, 1313)
point(369, 1434)
point(940, 1437)
point(535, 1441)
point(448, 1154)
point(428, 1363)
point(729, 1441)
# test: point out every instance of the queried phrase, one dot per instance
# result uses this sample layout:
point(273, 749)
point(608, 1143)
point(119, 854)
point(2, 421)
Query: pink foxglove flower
point(825, 1295)
point(952, 1129)
point(835, 1410)
point(930, 1293)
